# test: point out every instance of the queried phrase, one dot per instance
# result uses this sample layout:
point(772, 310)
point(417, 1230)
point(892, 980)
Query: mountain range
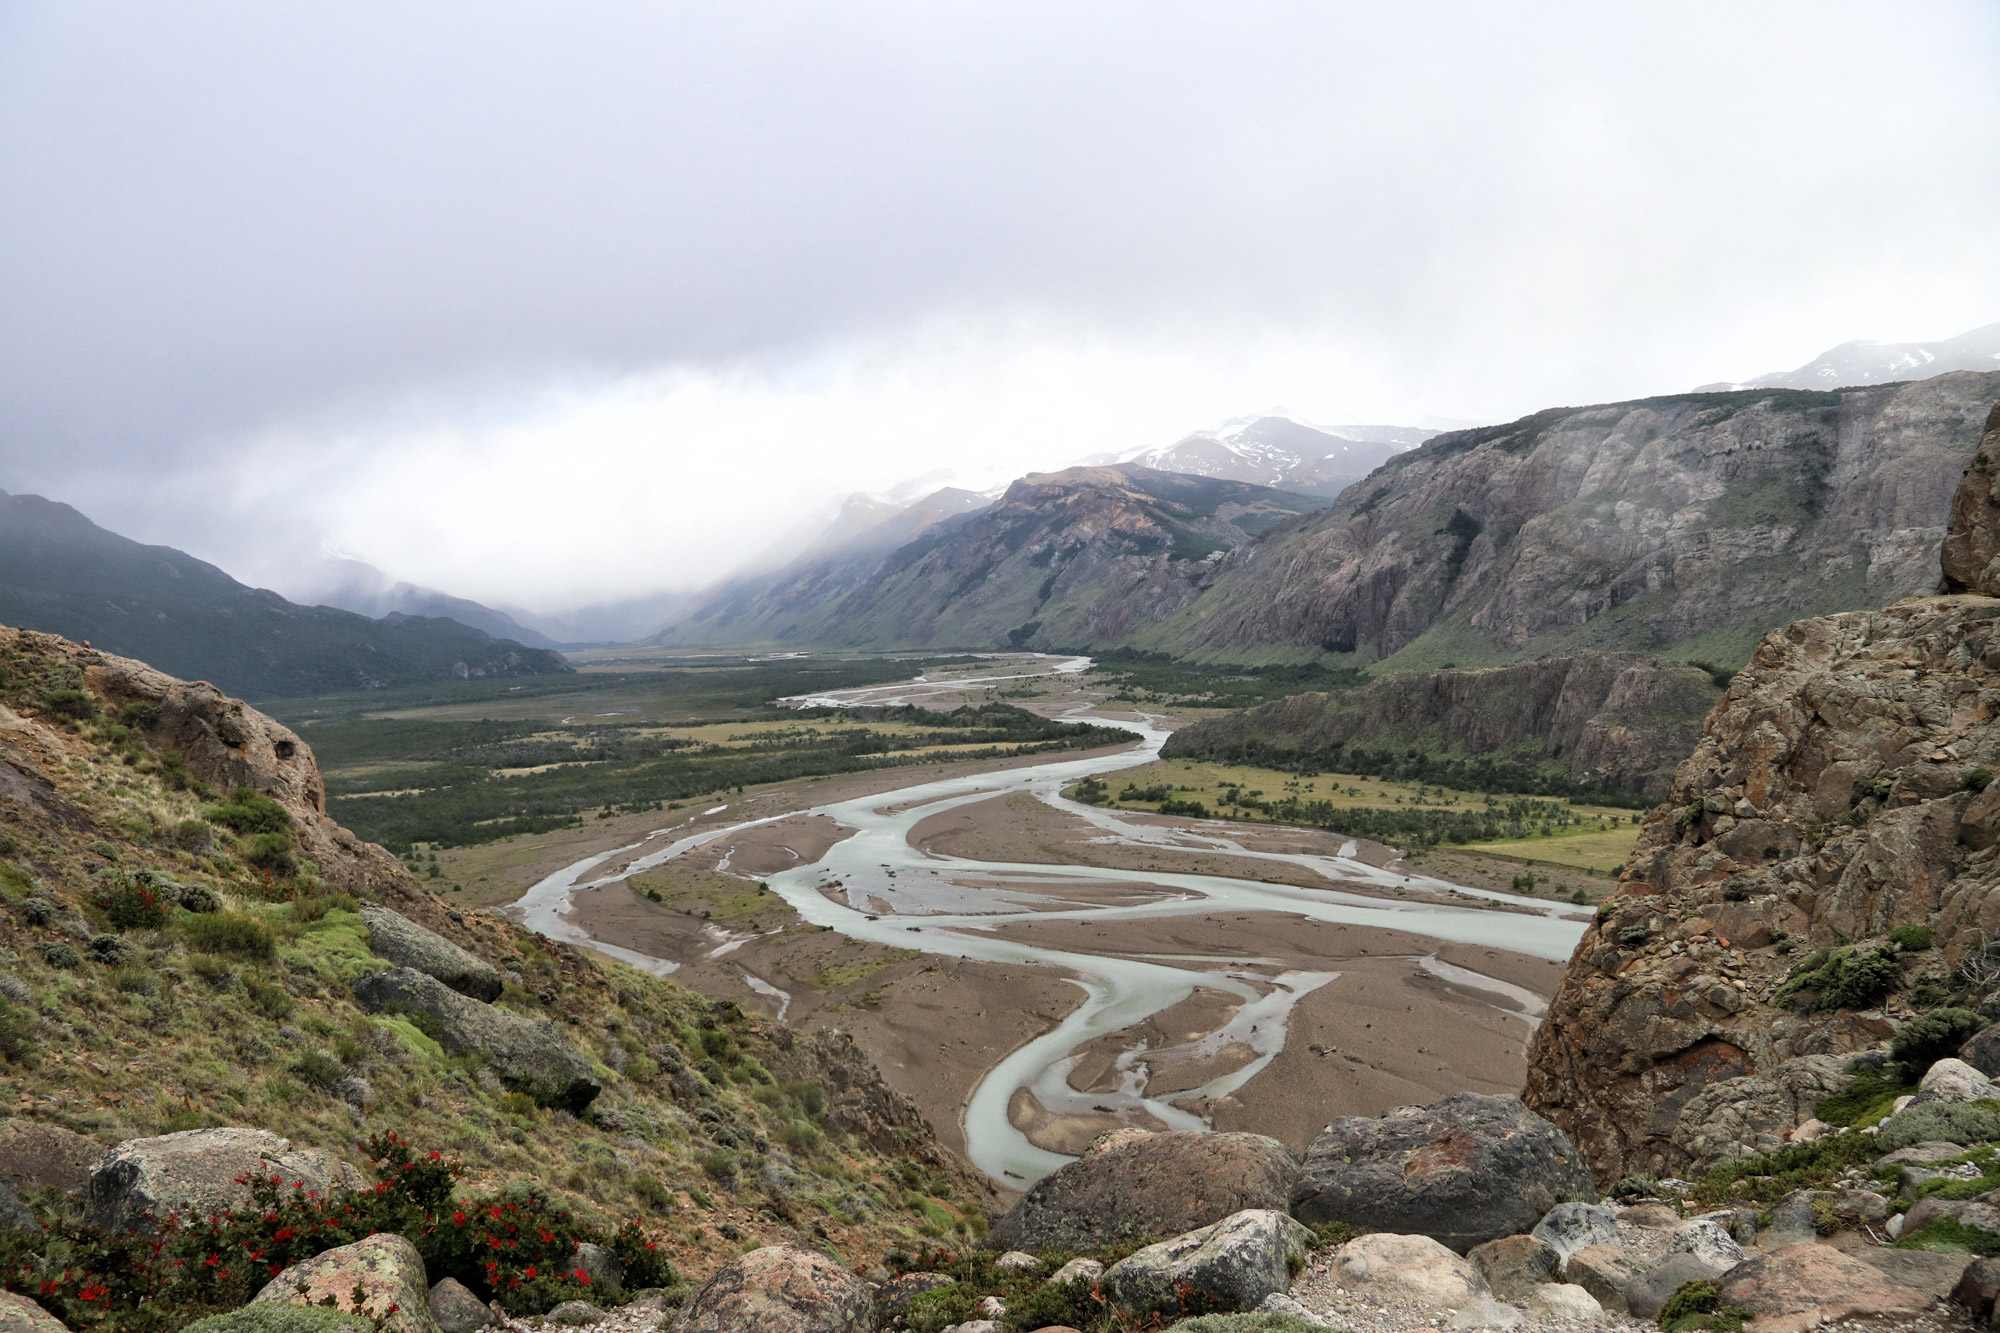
point(1859, 363)
point(62, 574)
point(1280, 451)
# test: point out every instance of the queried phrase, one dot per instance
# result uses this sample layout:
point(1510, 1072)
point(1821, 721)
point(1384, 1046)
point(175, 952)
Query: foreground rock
point(1146, 1187)
point(529, 1057)
point(1412, 1269)
point(1569, 1227)
point(34, 1155)
point(1841, 789)
point(1234, 1264)
point(455, 1309)
point(195, 1172)
point(393, 936)
point(779, 1289)
point(1801, 1286)
point(18, 1314)
point(1514, 1266)
point(381, 1277)
point(1468, 1169)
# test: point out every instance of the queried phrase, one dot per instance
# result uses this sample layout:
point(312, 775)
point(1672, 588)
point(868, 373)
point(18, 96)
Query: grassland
point(1585, 836)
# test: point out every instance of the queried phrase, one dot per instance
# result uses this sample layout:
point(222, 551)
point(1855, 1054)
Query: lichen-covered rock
point(393, 936)
point(1707, 1241)
point(1415, 1269)
point(1485, 1312)
point(779, 1289)
point(18, 1314)
point(1971, 554)
point(1234, 1264)
point(574, 1314)
point(37, 1155)
point(1514, 1266)
point(1464, 1170)
point(283, 1319)
point(1953, 1081)
point(454, 1309)
point(1982, 1052)
point(1569, 1227)
point(1646, 1296)
point(530, 1057)
point(194, 1172)
point(1078, 1270)
point(380, 1276)
point(1147, 1186)
point(1801, 1286)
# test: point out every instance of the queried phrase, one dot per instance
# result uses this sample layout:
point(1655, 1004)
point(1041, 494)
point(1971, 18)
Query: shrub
point(130, 906)
point(58, 954)
point(1636, 1187)
point(1911, 938)
point(273, 852)
point(1953, 1236)
point(1698, 1305)
point(1931, 1037)
point(17, 1035)
point(1841, 979)
point(318, 905)
point(1940, 1122)
point(1866, 1100)
point(273, 1002)
point(228, 933)
point(1072, 1304)
point(319, 1070)
point(195, 835)
point(37, 911)
point(249, 812)
point(77, 705)
point(110, 950)
point(135, 981)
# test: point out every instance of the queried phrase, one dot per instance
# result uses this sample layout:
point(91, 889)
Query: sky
point(547, 304)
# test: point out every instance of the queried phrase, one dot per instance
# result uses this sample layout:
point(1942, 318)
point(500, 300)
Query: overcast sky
point(546, 302)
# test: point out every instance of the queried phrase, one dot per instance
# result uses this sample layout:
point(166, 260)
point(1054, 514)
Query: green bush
point(273, 852)
point(1911, 939)
point(273, 1002)
point(1698, 1305)
point(249, 812)
point(1071, 1304)
point(77, 705)
point(1636, 1187)
point(1866, 1100)
point(228, 933)
point(275, 1318)
point(1940, 1122)
point(59, 954)
point(17, 1035)
point(1768, 1177)
point(1953, 1237)
point(130, 906)
point(1931, 1037)
point(1842, 979)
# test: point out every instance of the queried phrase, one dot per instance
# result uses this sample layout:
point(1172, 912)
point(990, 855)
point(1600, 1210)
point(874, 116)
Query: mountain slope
point(796, 603)
point(61, 573)
point(357, 586)
point(1065, 559)
point(1687, 524)
point(1859, 363)
point(1278, 451)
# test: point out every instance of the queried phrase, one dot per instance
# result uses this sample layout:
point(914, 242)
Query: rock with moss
point(530, 1057)
point(393, 936)
point(18, 1314)
point(283, 1319)
point(1147, 1187)
point(779, 1289)
point(196, 1172)
point(1237, 1262)
point(381, 1277)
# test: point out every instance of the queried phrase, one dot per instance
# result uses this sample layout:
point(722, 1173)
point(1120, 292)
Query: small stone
point(1707, 1241)
point(575, 1314)
point(1014, 1259)
point(1809, 1131)
point(1078, 1270)
point(1486, 1313)
point(1606, 1272)
point(457, 1310)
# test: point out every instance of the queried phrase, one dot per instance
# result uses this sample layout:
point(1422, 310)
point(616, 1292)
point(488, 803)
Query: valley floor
point(1272, 1006)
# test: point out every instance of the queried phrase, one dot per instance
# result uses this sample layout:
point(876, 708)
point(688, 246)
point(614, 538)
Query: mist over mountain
point(359, 587)
point(1279, 451)
point(62, 574)
point(1860, 362)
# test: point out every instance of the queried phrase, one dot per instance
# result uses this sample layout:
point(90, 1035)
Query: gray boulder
point(1515, 1265)
point(1569, 1227)
point(1468, 1169)
point(1564, 1301)
point(531, 1057)
point(37, 1155)
point(1794, 1219)
point(195, 1172)
point(14, 1215)
point(1413, 1270)
point(1646, 1297)
point(403, 942)
point(18, 1314)
point(1606, 1272)
point(1235, 1263)
point(456, 1310)
point(1707, 1241)
point(779, 1289)
point(1953, 1081)
point(602, 1266)
point(1966, 1212)
point(1145, 1187)
point(1983, 1051)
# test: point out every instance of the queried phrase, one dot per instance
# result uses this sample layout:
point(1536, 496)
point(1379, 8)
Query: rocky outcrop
point(1232, 1265)
point(1971, 554)
point(381, 1277)
point(393, 936)
point(1462, 1171)
point(1620, 719)
point(530, 1057)
point(18, 1314)
point(196, 1172)
point(35, 1155)
point(1147, 1186)
point(779, 1289)
point(1843, 787)
point(1633, 526)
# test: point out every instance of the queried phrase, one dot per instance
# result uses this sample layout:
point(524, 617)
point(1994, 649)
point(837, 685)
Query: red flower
point(583, 1277)
point(458, 1219)
point(529, 1272)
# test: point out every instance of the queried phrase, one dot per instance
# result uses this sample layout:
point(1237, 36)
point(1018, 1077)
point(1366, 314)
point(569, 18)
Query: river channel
point(876, 886)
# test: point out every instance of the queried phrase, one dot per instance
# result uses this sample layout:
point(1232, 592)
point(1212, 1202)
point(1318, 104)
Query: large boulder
point(1569, 1227)
point(531, 1057)
point(1606, 1272)
point(34, 1155)
point(393, 936)
point(1708, 1241)
point(18, 1314)
point(1953, 1081)
point(1801, 1286)
point(381, 1276)
point(196, 1172)
point(1649, 1293)
point(15, 1215)
point(779, 1289)
point(1412, 1269)
point(454, 1309)
point(1233, 1264)
point(1146, 1187)
point(1468, 1169)
point(1515, 1265)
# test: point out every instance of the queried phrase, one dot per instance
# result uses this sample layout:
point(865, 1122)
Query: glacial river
point(875, 886)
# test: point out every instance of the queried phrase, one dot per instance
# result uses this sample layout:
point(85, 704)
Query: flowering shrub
point(516, 1246)
point(130, 906)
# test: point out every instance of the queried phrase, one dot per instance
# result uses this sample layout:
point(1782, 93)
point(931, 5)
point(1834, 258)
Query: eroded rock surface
point(779, 1289)
point(530, 1057)
point(381, 1276)
point(393, 936)
point(195, 1172)
point(1234, 1264)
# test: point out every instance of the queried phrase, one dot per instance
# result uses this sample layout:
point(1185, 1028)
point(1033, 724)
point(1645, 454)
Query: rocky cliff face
point(1065, 559)
point(1695, 523)
point(1621, 719)
point(1843, 787)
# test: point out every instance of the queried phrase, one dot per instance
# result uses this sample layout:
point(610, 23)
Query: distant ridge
point(1281, 451)
point(62, 574)
point(1861, 363)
